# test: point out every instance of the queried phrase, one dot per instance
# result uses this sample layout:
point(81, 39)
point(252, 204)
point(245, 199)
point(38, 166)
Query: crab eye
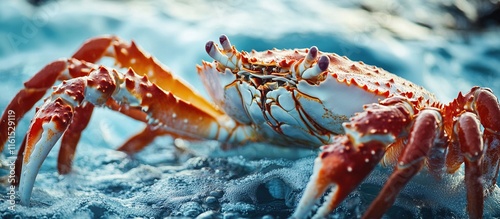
point(228, 57)
point(321, 66)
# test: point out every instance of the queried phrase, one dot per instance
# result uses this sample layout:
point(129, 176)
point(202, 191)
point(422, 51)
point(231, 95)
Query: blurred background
point(445, 46)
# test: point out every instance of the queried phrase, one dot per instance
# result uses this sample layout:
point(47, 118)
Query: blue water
point(162, 181)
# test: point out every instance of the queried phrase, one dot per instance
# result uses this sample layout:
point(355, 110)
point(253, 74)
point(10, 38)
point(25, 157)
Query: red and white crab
point(361, 116)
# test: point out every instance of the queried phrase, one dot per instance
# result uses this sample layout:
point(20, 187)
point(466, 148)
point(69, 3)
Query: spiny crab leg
point(72, 136)
point(345, 163)
point(487, 108)
point(425, 132)
point(125, 55)
point(34, 90)
point(46, 128)
point(471, 144)
point(480, 151)
point(368, 134)
point(165, 111)
point(337, 161)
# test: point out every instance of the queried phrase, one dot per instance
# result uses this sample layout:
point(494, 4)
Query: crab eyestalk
point(317, 69)
point(308, 61)
point(229, 56)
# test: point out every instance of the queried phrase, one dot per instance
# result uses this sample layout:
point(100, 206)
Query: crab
point(359, 115)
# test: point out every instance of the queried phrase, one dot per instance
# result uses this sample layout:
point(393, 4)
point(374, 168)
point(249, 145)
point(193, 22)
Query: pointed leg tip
point(25, 189)
point(312, 193)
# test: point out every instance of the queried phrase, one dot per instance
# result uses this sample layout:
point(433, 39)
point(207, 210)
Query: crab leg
point(164, 110)
point(487, 108)
point(480, 154)
point(424, 133)
point(37, 86)
point(337, 161)
point(344, 164)
point(46, 128)
point(137, 142)
point(125, 55)
point(131, 56)
point(71, 137)
point(34, 90)
point(471, 144)
point(491, 159)
point(68, 142)
point(141, 139)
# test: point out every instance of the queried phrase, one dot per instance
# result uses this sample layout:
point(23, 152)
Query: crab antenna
point(317, 69)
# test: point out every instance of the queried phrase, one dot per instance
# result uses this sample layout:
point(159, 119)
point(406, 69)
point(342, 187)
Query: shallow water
point(164, 182)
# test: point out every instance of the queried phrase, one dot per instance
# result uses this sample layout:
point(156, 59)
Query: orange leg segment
point(137, 142)
point(344, 164)
point(67, 109)
point(34, 89)
point(125, 55)
point(71, 137)
point(471, 144)
point(422, 137)
point(143, 64)
point(488, 110)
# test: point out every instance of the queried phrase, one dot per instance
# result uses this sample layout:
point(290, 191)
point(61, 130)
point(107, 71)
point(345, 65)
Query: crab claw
point(49, 123)
point(342, 167)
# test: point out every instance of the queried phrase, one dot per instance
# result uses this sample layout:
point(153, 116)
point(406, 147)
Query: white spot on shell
point(349, 169)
